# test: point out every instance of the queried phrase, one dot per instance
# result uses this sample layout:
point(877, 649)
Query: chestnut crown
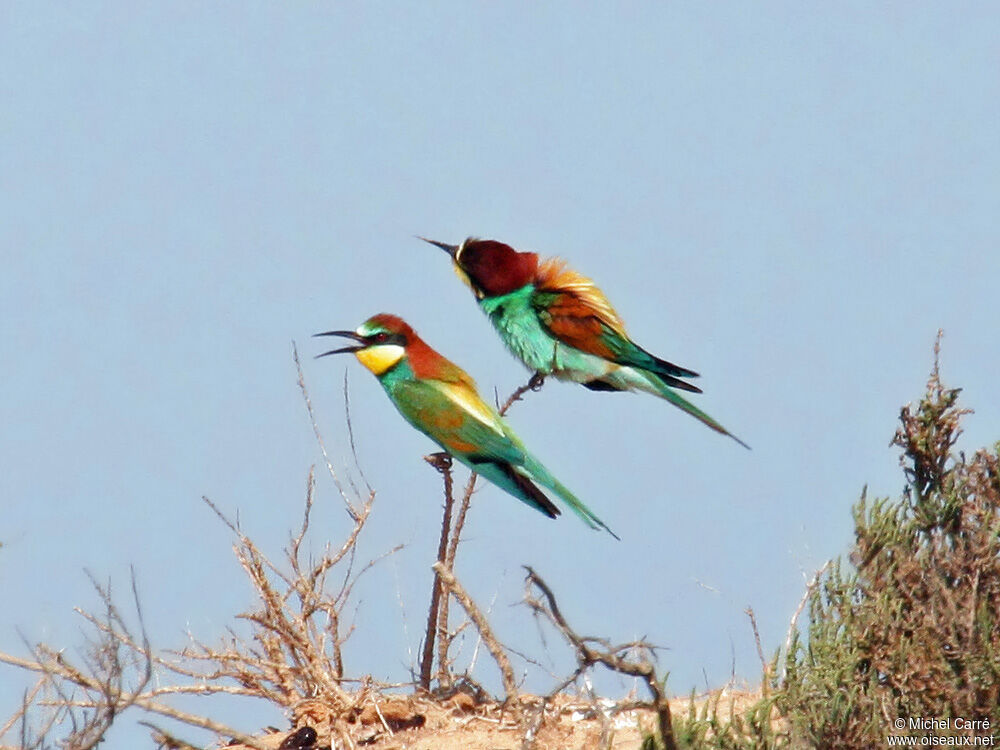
point(491, 268)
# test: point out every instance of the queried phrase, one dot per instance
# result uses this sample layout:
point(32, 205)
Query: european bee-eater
point(440, 399)
point(559, 323)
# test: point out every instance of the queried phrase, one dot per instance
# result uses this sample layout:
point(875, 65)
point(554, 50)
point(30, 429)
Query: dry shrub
point(909, 628)
point(912, 631)
point(290, 653)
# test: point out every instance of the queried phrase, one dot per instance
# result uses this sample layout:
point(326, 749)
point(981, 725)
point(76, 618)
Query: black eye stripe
point(383, 337)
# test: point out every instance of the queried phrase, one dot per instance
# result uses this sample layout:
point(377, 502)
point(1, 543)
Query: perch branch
point(587, 656)
point(483, 626)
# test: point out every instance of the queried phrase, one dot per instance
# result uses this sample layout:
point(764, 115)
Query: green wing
point(569, 319)
point(457, 419)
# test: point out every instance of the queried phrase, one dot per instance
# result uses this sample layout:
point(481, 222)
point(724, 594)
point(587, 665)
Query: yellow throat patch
point(378, 359)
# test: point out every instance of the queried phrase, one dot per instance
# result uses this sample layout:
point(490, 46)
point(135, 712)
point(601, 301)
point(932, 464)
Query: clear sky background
point(789, 198)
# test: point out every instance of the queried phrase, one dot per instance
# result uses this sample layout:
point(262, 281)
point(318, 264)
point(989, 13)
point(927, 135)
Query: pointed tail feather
point(541, 475)
point(660, 389)
point(677, 383)
point(630, 354)
point(505, 477)
point(535, 496)
point(671, 370)
point(518, 481)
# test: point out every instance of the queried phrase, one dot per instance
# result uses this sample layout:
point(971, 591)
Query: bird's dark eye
point(381, 337)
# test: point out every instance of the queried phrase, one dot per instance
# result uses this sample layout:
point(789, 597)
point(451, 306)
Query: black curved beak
point(450, 249)
point(362, 343)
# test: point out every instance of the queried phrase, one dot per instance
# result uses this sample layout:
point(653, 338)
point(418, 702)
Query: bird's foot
point(440, 461)
point(537, 381)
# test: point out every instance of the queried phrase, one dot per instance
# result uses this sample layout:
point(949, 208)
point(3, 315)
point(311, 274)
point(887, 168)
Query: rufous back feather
point(554, 276)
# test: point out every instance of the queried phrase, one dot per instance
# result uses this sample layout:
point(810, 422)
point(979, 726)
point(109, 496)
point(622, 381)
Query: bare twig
point(101, 683)
point(27, 699)
point(534, 384)
point(609, 656)
point(293, 651)
point(381, 718)
point(441, 462)
point(296, 657)
point(351, 510)
point(479, 639)
point(445, 637)
point(93, 686)
point(350, 435)
point(463, 509)
point(483, 626)
point(810, 587)
point(756, 638)
point(165, 740)
point(310, 488)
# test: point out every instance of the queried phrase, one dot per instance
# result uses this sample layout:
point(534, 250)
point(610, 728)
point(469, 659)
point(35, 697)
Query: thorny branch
point(482, 625)
point(114, 674)
point(610, 656)
point(441, 462)
point(293, 651)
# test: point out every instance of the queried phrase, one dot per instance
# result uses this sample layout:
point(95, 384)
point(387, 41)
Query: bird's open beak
point(450, 249)
point(362, 343)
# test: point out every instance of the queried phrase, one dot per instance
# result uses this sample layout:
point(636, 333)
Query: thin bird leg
point(537, 381)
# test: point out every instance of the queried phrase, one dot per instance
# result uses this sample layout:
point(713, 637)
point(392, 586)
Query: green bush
point(909, 629)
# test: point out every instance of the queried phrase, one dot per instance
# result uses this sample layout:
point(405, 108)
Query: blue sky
point(790, 199)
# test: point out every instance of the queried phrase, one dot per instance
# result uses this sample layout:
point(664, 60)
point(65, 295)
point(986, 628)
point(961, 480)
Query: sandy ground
point(407, 723)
